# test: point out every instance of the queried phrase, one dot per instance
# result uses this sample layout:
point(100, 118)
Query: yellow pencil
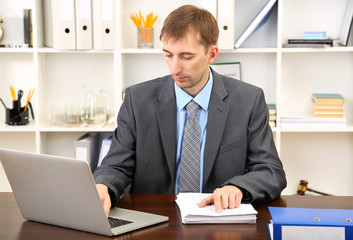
point(30, 94)
point(14, 98)
point(141, 22)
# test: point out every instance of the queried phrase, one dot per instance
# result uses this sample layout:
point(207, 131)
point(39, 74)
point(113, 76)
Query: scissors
point(19, 95)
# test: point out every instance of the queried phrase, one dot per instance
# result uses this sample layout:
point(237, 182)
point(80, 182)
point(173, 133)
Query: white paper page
point(188, 204)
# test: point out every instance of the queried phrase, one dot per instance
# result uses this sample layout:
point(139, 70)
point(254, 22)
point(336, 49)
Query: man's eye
point(167, 55)
point(187, 57)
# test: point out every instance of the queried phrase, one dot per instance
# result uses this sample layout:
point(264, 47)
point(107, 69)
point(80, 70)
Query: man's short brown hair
point(190, 18)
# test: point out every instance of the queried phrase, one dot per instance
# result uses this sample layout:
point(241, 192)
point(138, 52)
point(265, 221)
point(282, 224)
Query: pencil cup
point(145, 37)
point(15, 117)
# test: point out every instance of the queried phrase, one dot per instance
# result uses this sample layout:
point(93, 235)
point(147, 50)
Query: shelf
point(16, 50)
point(337, 49)
point(81, 127)
point(20, 128)
point(239, 50)
point(316, 129)
point(159, 51)
point(52, 50)
point(76, 129)
point(141, 51)
point(251, 50)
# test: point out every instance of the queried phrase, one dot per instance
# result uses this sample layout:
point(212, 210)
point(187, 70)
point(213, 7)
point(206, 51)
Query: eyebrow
point(182, 53)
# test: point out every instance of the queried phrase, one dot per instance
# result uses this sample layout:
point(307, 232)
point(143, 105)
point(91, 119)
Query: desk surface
point(14, 226)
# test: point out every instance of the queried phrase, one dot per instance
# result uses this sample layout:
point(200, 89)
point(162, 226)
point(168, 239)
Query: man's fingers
point(106, 206)
point(217, 199)
point(104, 197)
point(204, 202)
point(232, 200)
point(212, 199)
point(223, 198)
point(238, 198)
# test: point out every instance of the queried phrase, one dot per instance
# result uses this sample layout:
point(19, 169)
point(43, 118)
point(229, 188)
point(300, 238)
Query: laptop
point(61, 191)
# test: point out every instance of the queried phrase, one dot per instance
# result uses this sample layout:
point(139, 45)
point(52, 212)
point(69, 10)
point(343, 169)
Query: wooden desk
point(14, 226)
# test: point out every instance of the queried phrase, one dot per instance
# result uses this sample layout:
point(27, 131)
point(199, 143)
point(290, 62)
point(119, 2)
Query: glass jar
point(96, 106)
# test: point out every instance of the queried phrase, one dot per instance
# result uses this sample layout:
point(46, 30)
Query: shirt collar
point(202, 98)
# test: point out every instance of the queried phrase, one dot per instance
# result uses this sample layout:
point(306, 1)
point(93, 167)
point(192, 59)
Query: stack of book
point(312, 39)
point(327, 105)
point(272, 114)
point(314, 34)
point(309, 42)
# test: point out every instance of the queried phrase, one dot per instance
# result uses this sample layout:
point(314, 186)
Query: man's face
point(188, 62)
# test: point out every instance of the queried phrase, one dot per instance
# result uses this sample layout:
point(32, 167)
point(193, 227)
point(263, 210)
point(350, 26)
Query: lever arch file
point(103, 24)
point(59, 24)
point(83, 9)
point(310, 223)
point(27, 27)
point(211, 6)
point(226, 24)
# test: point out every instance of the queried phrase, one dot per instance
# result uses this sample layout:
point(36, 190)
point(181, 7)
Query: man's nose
point(176, 66)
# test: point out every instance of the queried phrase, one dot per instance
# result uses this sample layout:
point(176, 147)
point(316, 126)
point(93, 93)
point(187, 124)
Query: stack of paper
point(307, 120)
point(192, 214)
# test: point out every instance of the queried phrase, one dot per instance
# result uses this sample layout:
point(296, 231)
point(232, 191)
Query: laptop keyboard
point(115, 222)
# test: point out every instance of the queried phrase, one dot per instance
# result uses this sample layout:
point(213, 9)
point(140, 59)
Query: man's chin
point(182, 84)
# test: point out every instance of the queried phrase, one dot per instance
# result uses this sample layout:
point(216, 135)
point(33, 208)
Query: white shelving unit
point(289, 76)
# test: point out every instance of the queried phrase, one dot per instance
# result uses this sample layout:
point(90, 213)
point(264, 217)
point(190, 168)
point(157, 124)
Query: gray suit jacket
point(239, 146)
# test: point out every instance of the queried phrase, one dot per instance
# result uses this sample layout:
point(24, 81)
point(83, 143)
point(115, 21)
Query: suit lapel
point(166, 116)
point(217, 117)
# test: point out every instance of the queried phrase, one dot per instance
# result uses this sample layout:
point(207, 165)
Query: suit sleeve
point(117, 167)
point(264, 178)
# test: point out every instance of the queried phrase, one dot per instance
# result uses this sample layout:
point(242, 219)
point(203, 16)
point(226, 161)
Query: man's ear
point(213, 51)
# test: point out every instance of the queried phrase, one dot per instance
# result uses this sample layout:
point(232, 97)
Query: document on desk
point(191, 213)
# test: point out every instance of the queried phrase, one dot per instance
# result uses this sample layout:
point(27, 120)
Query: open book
point(192, 214)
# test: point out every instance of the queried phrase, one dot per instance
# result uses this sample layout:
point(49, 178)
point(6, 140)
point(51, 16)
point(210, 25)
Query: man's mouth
point(180, 78)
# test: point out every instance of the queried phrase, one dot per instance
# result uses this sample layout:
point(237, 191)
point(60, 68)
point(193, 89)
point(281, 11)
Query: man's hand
point(104, 196)
point(228, 196)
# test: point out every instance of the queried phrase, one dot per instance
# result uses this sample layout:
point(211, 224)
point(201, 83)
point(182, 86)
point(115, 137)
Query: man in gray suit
point(238, 158)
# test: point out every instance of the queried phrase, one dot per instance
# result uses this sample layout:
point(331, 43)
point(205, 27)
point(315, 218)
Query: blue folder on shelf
point(104, 149)
point(257, 22)
point(310, 223)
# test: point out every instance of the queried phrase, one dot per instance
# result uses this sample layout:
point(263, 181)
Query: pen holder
point(145, 37)
point(18, 115)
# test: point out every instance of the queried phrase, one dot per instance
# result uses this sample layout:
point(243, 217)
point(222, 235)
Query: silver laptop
point(61, 191)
